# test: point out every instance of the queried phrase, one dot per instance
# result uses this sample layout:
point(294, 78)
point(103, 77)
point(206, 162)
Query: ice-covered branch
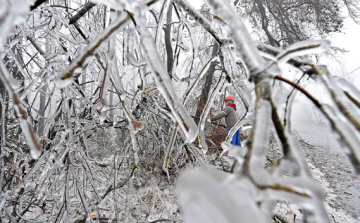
point(201, 19)
point(235, 27)
point(28, 131)
point(218, 87)
point(163, 81)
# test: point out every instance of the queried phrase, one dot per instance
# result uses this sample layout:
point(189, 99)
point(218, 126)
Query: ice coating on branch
point(200, 19)
point(161, 22)
point(128, 198)
point(344, 116)
point(169, 148)
point(67, 77)
point(197, 79)
point(134, 126)
point(63, 82)
point(116, 80)
point(209, 195)
point(103, 92)
point(234, 151)
point(349, 109)
point(28, 88)
point(303, 48)
point(238, 124)
point(14, 84)
point(183, 47)
point(194, 42)
point(28, 132)
point(134, 61)
point(12, 13)
point(348, 88)
point(245, 47)
point(261, 128)
point(296, 188)
point(163, 81)
point(205, 113)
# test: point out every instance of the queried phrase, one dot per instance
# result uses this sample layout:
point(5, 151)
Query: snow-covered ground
point(331, 169)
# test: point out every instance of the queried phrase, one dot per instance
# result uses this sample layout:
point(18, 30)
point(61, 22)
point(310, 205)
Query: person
point(231, 118)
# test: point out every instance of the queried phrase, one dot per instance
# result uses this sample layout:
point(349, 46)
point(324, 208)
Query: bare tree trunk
point(169, 49)
point(42, 111)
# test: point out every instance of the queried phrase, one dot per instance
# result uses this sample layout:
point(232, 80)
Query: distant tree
point(286, 22)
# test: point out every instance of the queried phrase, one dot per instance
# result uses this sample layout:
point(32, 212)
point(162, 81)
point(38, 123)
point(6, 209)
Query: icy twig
point(218, 87)
point(90, 50)
point(240, 36)
point(3, 141)
point(299, 88)
point(83, 202)
point(28, 131)
point(300, 49)
point(232, 78)
point(198, 78)
point(128, 199)
point(86, 7)
point(200, 19)
point(170, 145)
point(163, 81)
point(160, 25)
point(347, 133)
point(102, 97)
point(288, 100)
point(94, 45)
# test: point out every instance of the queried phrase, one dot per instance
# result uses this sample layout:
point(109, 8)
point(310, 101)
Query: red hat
point(229, 98)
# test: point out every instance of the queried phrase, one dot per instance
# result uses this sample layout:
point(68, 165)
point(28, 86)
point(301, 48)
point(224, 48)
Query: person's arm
point(221, 114)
